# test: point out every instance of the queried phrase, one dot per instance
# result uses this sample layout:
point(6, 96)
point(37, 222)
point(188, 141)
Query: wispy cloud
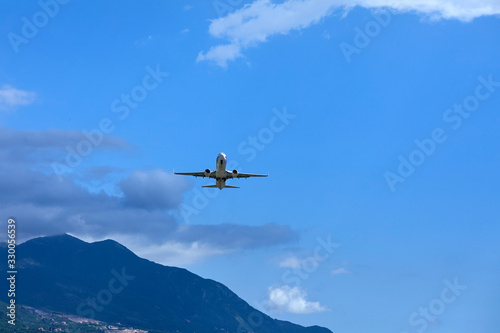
point(340, 270)
point(174, 253)
point(290, 262)
point(221, 54)
point(144, 41)
point(53, 139)
point(11, 97)
point(256, 22)
point(169, 252)
point(463, 10)
point(293, 300)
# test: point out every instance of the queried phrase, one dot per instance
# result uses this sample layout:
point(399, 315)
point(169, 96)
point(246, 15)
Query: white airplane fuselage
point(220, 170)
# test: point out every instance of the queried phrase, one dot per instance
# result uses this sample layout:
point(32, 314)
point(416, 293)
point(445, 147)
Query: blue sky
point(377, 122)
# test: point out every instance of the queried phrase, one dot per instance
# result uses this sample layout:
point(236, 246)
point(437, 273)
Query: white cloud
point(11, 97)
point(221, 54)
point(256, 22)
point(464, 10)
point(169, 253)
point(293, 300)
point(290, 262)
point(340, 270)
point(173, 253)
point(180, 254)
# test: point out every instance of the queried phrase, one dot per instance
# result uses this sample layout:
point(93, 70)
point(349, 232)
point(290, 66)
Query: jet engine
point(235, 173)
point(207, 172)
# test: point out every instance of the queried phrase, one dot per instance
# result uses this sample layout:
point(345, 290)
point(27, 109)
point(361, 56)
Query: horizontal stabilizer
point(225, 186)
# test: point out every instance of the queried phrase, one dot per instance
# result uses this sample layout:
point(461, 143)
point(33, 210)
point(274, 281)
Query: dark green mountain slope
point(106, 281)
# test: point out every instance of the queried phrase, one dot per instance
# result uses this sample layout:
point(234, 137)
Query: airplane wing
point(246, 175)
point(196, 174)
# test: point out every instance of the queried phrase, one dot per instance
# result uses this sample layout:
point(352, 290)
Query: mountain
point(107, 282)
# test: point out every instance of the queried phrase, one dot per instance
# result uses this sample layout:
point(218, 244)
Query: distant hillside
point(106, 281)
point(32, 320)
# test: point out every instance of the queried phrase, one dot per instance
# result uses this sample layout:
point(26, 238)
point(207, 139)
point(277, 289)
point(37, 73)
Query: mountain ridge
point(106, 281)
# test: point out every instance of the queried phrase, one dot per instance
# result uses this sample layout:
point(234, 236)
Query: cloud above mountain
point(293, 300)
point(143, 206)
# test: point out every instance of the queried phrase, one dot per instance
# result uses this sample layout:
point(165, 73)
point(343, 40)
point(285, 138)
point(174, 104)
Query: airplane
point(220, 174)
